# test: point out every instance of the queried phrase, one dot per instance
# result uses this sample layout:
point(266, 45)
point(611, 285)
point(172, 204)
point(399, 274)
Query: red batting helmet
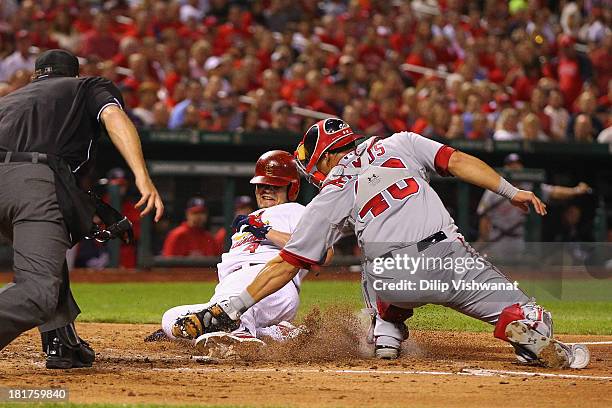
point(327, 134)
point(277, 168)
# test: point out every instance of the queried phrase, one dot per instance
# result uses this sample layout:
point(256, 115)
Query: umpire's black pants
point(30, 217)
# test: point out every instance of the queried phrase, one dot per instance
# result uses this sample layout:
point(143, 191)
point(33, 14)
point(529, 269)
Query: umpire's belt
point(23, 157)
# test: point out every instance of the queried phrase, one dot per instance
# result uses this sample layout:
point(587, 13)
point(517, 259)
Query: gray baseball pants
point(434, 285)
point(30, 217)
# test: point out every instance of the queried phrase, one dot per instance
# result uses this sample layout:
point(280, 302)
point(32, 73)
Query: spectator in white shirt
point(507, 125)
point(531, 129)
point(559, 117)
point(20, 59)
point(147, 96)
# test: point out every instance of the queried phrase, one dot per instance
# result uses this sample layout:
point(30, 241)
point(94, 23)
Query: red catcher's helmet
point(277, 168)
point(327, 134)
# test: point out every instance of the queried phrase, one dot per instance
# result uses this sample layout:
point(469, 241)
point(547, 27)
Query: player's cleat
point(581, 356)
point(188, 327)
point(216, 345)
point(244, 337)
point(157, 335)
point(534, 348)
point(284, 331)
point(386, 352)
point(65, 349)
point(561, 355)
point(226, 345)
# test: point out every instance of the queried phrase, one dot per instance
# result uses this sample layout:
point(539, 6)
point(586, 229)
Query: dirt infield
point(438, 369)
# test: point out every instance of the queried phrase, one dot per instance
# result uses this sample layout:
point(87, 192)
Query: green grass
point(146, 302)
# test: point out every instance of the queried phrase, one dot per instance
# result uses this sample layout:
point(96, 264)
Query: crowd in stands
point(507, 70)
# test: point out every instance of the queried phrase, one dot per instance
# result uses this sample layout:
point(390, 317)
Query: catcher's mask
point(323, 136)
point(278, 168)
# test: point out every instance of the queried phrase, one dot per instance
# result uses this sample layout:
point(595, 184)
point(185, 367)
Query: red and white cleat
point(226, 345)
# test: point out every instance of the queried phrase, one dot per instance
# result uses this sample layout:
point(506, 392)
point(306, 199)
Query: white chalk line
point(586, 343)
point(464, 372)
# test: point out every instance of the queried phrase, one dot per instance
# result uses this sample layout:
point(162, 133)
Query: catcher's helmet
point(325, 135)
point(277, 168)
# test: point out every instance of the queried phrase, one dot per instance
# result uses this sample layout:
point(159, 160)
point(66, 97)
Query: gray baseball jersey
point(390, 194)
point(382, 189)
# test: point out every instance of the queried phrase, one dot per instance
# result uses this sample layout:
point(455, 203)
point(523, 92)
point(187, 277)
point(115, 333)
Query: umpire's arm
point(124, 136)
point(473, 170)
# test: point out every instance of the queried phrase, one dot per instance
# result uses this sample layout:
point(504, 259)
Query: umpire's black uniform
point(48, 131)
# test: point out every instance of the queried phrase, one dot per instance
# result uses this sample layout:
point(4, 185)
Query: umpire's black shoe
point(65, 349)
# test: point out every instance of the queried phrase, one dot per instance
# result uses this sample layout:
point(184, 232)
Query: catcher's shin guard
point(529, 328)
point(388, 330)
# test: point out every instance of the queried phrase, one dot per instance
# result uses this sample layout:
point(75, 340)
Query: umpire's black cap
point(56, 63)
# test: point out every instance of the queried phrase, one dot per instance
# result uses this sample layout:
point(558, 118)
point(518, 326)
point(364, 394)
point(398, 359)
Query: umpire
point(49, 130)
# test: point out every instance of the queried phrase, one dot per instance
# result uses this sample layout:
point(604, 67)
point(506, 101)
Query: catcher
point(258, 238)
point(381, 187)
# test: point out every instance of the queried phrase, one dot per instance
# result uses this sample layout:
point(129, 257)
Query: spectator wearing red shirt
point(402, 38)
point(572, 70)
point(40, 35)
point(191, 238)
point(233, 32)
point(602, 63)
point(98, 41)
point(389, 122)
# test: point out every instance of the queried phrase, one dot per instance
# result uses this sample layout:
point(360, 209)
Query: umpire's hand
point(150, 198)
point(124, 136)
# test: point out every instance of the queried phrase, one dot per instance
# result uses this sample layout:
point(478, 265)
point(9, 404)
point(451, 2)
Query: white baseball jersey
point(381, 189)
point(247, 250)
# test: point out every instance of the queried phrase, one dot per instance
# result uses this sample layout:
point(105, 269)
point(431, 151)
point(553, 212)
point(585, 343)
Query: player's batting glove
point(239, 221)
point(222, 316)
point(255, 226)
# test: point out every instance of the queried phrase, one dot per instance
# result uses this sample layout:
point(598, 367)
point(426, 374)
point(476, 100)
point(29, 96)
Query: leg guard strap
point(392, 313)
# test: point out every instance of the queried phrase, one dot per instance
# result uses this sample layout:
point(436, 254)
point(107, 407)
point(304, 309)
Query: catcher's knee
point(533, 315)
